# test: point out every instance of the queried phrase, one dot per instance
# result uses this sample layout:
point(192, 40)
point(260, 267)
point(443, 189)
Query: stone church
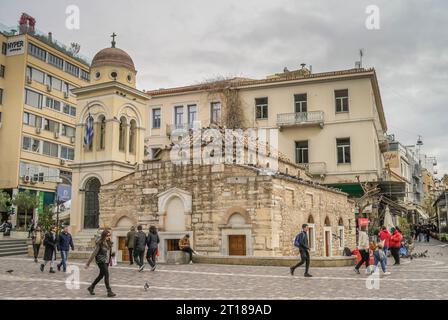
point(228, 209)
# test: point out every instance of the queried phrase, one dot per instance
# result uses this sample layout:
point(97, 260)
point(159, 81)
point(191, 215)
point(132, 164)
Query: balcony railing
point(300, 118)
point(316, 168)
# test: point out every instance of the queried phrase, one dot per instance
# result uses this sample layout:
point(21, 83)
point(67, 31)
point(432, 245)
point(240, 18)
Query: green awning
point(354, 190)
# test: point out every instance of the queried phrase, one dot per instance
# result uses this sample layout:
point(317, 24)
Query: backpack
point(298, 240)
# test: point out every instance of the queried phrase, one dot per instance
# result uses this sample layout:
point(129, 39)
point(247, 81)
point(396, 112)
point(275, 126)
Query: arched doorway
point(175, 215)
point(91, 204)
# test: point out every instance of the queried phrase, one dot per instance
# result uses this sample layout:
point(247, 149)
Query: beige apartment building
point(333, 123)
point(37, 113)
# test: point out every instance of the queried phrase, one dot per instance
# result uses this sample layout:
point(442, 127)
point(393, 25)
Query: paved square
point(422, 278)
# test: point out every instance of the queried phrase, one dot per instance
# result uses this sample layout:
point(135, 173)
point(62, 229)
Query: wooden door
point(237, 245)
point(327, 243)
point(122, 247)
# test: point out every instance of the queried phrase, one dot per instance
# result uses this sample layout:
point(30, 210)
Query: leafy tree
point(26, 201)
point(5, 202)
point(46, 219)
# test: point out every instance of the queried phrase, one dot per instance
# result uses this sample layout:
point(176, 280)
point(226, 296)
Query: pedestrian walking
point(379, 257)
point(36, 239)
point(64, 243)
point(139, 248)
point(301, 242)
point(428, 233)
point(385, 237)
point(395, 245)
point(103, 257)
point(31, 228)
point(152, 241)
point(363, 247)
point(50, 249)
point(130, 238)
point(184, 245)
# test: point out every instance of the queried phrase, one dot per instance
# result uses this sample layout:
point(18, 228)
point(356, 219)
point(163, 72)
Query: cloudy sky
point(178, 42)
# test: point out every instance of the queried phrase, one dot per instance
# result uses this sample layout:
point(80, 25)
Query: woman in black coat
point(50, 249)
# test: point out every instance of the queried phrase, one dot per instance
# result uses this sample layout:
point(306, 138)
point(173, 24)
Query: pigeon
point(10, 271)
point(146, 286)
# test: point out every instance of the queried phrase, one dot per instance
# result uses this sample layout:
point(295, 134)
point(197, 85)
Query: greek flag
point(88, 136)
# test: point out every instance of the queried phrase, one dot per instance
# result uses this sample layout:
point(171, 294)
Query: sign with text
point(15, 46)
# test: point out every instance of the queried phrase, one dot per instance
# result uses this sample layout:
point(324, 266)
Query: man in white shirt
point(363, 247)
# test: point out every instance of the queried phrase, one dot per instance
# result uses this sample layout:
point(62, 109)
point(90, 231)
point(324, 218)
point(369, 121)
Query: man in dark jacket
point(139, 248)
point(64, 243)
point(130, 238)
point(301, 242)
point(50, 249)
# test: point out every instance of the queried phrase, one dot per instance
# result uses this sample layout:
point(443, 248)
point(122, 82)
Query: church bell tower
point(109, 132)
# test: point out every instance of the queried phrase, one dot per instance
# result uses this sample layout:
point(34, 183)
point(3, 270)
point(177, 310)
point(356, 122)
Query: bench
point(177, 257)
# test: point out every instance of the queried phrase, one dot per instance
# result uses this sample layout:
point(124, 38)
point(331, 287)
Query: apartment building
point(37, 112)
point(333, 122)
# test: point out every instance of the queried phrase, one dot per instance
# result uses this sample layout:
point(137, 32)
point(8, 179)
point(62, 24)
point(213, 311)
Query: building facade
point(331, 122)
point(37, 113)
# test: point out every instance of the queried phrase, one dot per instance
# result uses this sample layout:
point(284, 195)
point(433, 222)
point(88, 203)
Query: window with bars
point(302, 151)
point(341, 100)
point(2, 71)
point(343, 150)
point(4, 48)
point(261, 108)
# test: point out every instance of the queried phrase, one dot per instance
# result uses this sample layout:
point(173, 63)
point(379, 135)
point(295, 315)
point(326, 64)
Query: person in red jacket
point(385, 237)
point(395, 244)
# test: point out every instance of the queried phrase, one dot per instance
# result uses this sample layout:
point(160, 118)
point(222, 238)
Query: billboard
point(15, 46)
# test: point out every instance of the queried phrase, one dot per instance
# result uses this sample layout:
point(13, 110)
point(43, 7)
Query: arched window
point(122, 133)
point(341, 235)
point(341, 222)
point(327, 222)
point(311, 219)
point(101, 132)
point(132, 136)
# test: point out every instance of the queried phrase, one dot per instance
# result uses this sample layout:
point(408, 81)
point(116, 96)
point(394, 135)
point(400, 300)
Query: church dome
point(113, 57)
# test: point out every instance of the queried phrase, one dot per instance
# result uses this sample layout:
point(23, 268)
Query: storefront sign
point(64, 192)
point(15, 46)
point(363, 222)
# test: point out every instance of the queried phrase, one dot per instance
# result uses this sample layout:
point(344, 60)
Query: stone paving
point(421, 278)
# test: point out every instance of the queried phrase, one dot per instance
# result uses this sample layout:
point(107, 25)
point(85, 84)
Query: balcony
point(300, 119)
point(316, 168)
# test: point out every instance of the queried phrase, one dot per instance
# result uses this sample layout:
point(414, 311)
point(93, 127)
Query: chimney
point(50, 36)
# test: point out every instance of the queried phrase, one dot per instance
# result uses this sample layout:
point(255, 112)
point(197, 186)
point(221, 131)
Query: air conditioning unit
point(34, 179)
point(72, 139)
point(38, 130)
point(66, 95)
point(48, 88)
point(26, 179)
point(29, 80)
point(62, 161)
point(56, 134)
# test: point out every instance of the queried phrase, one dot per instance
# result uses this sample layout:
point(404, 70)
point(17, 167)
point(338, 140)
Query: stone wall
point(272, 214)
